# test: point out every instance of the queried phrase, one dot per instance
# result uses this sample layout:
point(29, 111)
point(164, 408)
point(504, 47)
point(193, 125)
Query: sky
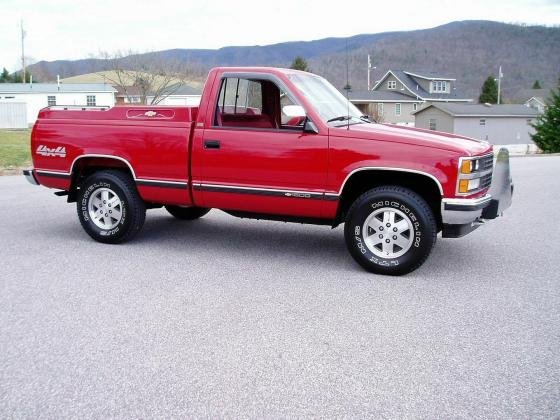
point(72, 29)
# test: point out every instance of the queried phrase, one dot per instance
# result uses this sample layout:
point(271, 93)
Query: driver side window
point(254, 104)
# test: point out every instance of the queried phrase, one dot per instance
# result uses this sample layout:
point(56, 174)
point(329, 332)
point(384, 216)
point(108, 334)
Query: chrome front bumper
point(462, 215)
point(29, 174)
point(459, 211)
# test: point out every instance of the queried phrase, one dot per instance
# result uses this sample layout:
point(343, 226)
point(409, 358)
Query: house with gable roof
point(537, 99)
point(398, 94)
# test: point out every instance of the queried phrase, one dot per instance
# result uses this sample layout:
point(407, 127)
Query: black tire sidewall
point(423, 230)
point(89, 187)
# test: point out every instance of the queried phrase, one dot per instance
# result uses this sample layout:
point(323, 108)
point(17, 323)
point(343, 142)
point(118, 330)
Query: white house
point(20, 102)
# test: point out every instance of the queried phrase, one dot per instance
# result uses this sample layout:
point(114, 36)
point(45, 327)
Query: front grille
point(485, 163)
point(485, 181)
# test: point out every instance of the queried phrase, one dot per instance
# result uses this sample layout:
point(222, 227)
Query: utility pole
point(22, 53)
point(500, 75)
point(369, 69)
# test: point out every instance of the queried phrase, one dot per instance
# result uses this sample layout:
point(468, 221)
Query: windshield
point(329, 103)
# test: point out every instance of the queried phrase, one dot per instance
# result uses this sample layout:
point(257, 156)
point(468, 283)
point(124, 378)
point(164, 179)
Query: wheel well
point(85, 166)
point(363, 181)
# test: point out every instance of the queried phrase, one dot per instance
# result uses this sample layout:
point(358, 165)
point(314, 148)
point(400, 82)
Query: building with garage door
point(20, 102)
point(506, 124)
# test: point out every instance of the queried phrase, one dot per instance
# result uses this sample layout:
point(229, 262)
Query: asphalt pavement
point(224, 317)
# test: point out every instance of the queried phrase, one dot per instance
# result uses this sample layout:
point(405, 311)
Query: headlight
point(469, 185)
point(469, 166)
point(475, 174)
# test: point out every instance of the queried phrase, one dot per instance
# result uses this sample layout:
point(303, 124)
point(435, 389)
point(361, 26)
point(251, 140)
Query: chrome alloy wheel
point(105, 208)
point(388, 232)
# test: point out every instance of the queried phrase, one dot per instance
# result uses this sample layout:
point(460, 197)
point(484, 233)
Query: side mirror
point(310, 127)
point(293, 111)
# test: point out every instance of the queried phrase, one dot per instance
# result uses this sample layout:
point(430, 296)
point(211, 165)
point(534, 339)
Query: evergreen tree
point(299, 63)
point(489, 91)
point(537, 85)
point(547, 135)
point(5, 76)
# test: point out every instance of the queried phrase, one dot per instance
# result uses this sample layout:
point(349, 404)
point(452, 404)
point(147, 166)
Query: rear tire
point(109, 207)
point(390, 230)
point(187, 213)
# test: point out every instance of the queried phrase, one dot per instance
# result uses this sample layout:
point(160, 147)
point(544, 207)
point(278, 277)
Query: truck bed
point(151, 141)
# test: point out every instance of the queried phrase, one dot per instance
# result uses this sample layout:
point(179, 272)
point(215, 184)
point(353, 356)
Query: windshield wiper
point(341, 118)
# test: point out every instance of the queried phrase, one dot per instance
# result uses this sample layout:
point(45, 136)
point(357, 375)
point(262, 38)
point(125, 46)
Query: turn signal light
point(464, 186)
point(466, 167)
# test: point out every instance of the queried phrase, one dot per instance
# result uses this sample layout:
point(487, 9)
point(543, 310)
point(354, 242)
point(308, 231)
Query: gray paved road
point(232, 318)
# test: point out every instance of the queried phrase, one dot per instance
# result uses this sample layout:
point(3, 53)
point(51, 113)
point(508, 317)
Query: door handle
point(211, 144)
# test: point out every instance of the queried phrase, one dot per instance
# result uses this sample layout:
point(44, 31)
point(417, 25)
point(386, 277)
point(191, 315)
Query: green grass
point(14, 148)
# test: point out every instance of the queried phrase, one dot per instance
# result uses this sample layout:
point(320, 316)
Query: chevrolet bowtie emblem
point(150, 113)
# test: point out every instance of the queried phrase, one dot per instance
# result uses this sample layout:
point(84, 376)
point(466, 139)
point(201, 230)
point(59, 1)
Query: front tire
point(390, 230)
point(109, 207)
point(187, 213)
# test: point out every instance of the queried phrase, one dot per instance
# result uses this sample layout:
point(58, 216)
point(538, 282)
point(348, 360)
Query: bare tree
point(375, 114)
point(144, 75)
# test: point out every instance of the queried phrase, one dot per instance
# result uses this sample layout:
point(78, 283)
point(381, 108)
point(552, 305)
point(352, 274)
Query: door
point(257, 159)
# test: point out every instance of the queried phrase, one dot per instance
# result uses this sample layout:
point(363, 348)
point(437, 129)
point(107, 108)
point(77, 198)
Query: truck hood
point(416, 136)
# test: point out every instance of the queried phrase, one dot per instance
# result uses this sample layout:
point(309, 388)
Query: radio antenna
point(347, 88)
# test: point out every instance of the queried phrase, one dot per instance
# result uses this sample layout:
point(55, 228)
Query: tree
point(376, 114)
point(537, 85)
point(299, 63)
point(150, 76)
point(547, 135)
point(5, 76)
point(489, 91)
point(17, 77)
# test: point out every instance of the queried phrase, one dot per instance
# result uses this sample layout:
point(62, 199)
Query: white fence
point(13, 115)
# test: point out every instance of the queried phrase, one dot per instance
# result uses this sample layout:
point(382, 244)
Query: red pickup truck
point(274, 144)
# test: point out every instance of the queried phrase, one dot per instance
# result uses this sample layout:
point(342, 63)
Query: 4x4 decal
point(59, 151)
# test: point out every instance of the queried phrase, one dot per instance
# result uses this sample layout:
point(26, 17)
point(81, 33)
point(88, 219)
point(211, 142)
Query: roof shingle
point(481, 110)
point(54, 88)
point(379, 96)
point(415, 89)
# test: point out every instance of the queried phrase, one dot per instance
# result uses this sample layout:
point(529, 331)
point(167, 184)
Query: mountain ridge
point(469, 51)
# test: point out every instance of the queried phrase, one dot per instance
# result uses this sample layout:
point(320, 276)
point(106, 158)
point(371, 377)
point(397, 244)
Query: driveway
point(225, 317)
